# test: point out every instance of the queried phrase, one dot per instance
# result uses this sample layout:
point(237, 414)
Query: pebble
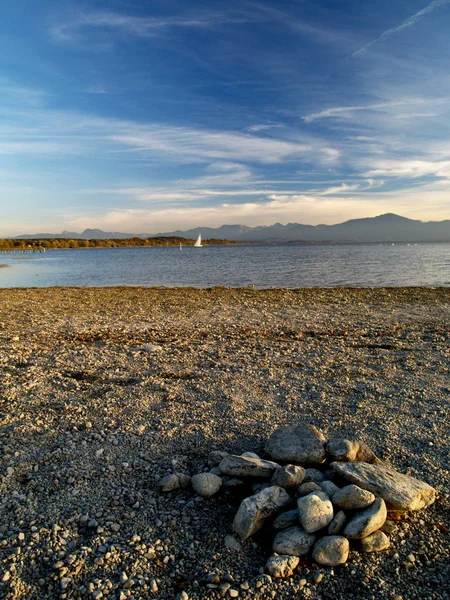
point(281, 567)
point(206, 484)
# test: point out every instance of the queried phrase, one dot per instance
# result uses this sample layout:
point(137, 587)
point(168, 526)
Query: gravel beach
point(105, 391)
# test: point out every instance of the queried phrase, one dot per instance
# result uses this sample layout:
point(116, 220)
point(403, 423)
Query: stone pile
point(318, 497)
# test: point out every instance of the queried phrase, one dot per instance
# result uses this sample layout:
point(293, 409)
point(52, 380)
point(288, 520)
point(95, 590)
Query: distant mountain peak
point(387, 227)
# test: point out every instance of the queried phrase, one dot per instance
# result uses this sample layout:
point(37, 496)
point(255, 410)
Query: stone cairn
point(317, 496)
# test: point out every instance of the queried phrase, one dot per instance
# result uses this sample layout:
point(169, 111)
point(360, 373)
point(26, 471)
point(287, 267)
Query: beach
point(105, 391)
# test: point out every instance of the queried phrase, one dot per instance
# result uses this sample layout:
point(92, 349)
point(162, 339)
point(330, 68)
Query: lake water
point(263, 266)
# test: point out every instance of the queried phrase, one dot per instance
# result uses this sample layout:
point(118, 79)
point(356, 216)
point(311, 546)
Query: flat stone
point(366, 521)
point(340, 449)
point(288, 477)
point(206, 484)
point(337, 523)
point(331, 550)
point(400, 492)
point(306, 488)
point(243, 466)
point(286, 519)
point(281, 567)
point(294, 541)
point(297, 444)
point(315, 511)
point(375, 542)
point(255, 510)
point(250, 455)
point(352, 497)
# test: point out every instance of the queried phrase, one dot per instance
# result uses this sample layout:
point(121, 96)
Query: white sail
point(198, 243)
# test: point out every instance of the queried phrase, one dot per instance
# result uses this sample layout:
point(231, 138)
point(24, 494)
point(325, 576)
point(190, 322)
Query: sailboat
point(198, 243)
point(181, 247)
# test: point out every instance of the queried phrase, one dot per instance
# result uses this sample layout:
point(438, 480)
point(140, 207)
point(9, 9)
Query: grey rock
point(294, 541)
point(340, 449)
point(400, 492)
point(255, 510)
point(169, 483)
point(250, 455)
point(337, 523)
point(331, 550)
point(206, 484)
point(315, 511)
point(185, 480)
point(232, 543)
point(313, 475)
point(297, 444)
point(230, 483)
point(215, 458)
point(352, 497)
point(260, 486)
point(389, 527)
point(365, 454)
point(366, 521)
point(329, 488)
point(215, 471)
point(281, 567)
point(306, 488)
point(288, 477)
point(241, 466)
point(286, 519)
point(375, 542)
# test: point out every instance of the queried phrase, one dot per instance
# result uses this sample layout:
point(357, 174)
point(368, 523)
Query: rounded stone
point(329, 488)
point(294, 541)
point(288, 477)
point(366, 521)
point(281, 567)
point(352, 497)
point(297, 445)
point(206, 484)
point(306, 488)
point(315, 511)
point(341, 449)
point(337, 523)
point(375, 542)
point(169, 483)
point(331, 550)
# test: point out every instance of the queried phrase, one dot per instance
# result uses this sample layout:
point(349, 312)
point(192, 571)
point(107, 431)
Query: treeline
point(48, 244)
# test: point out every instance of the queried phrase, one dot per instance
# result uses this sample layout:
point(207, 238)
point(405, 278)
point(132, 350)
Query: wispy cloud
point(343, 111)
point(410, 168)
point(409, 22)
point(146, 27)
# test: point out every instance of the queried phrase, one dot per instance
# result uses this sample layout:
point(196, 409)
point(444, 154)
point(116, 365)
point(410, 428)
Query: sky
point(146, 117)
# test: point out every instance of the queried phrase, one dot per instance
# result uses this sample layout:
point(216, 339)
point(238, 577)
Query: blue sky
point(152, 116)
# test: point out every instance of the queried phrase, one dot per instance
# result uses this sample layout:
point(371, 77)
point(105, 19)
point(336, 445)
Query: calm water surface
point(264, 266)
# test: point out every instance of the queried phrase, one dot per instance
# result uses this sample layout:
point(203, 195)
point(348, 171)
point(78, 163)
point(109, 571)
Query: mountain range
point(384, 228)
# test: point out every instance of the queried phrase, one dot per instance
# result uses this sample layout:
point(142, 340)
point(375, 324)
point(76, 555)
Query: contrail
point(407, 23)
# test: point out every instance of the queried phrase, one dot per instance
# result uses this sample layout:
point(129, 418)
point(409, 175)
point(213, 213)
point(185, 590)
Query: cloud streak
point(409, 22)
point(147, 27)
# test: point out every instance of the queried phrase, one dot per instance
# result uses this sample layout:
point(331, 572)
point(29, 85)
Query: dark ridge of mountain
point(383, 228)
